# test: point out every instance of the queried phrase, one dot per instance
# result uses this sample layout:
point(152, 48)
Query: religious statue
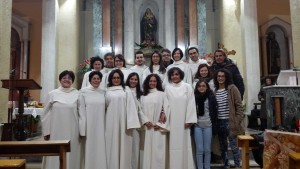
point(148, 27)
point(273, 54)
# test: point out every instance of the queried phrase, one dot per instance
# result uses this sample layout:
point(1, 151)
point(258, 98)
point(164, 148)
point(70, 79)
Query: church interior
point(41, 38)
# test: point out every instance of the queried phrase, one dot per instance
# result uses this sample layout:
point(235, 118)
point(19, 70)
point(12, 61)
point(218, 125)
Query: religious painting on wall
point(277, 146)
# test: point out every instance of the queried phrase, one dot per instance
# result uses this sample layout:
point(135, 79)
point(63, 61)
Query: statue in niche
point(273, 54)
point(148, 27)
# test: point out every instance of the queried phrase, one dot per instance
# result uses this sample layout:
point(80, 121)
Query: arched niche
point(283, 34)
point(21, 26)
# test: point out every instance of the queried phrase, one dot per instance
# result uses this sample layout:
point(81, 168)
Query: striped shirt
point(222, 100)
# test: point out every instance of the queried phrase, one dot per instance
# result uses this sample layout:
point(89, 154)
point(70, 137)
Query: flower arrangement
point(209, 58)
point(149, 44)
point(84, 66)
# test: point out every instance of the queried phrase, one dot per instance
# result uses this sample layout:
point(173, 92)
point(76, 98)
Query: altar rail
point(36, 148)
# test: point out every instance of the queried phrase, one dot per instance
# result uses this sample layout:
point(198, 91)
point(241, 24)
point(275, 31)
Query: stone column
point(60, 42)
point(295, 13)
point(250, 52)
point(169, 24)
point(201, 20)
point(97, 17)
point(68, 38)
point(48, 60)
point(129, 32)
point(5, 33)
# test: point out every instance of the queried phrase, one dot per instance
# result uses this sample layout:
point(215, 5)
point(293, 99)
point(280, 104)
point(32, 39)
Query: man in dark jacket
point(221, 61)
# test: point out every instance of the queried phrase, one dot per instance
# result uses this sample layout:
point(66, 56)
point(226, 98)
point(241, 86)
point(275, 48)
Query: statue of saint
point(148, 27)
point(273, 54)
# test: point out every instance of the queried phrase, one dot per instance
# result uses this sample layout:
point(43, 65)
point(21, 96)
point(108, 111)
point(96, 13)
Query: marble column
point(60, 42)
point(129, 32)
point(250, 52)
point(48, 60)
point(201, 20)
point(295, 13)
point(169, 24)
point(67, 40)
point(5, 33)
point(97, 17)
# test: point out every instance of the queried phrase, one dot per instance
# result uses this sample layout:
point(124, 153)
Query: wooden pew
point(36, 148)
point(243, 142)
point(294, 160)
point(13, 164)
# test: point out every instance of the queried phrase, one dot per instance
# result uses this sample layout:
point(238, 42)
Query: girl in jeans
point(206, 106)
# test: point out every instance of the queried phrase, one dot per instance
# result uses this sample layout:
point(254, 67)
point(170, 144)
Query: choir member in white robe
point(133, 82)
point(121, 118)
point(92, 122)
point(195, 60)
point(109, 66)
point(177, 55)
point(121, 64)
point(139, 66)
point(60, 121)
point(183, 114)
point(96, 64)
point(156, 66)
point(155, 103)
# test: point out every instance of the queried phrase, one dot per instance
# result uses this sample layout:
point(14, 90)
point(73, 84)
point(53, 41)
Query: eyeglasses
point(116, 78)
point(118, 60)
point(166, 55)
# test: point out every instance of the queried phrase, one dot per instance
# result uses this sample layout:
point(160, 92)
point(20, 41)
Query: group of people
point(147, 117)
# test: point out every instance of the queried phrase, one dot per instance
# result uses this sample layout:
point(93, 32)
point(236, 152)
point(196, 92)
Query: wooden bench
point(13, 164)
point(243, 142)
point(294, 160)
point(36, 148)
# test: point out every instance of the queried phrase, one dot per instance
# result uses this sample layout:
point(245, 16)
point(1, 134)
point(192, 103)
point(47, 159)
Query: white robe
point(155, 71)
point(155, 149)
point(188, 77)
point(139, 70)
point(86, 83)
point(60, 121)
point(121, 117)
point(183, 110)
point(92, 126)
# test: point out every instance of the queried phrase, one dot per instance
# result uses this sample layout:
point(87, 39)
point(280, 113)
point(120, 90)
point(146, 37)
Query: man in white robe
point(195, 61)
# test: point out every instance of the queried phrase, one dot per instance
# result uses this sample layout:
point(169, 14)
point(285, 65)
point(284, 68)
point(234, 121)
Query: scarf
point(200, 99)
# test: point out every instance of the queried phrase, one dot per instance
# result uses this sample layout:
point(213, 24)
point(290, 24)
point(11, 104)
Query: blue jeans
point(202, 138)
point(223, 133)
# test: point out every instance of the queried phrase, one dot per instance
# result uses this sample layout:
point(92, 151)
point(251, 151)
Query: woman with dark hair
point(183, 114)
point(207, 111)
point(177, 55)
point(156, 66)
point(121, 118)
point(120, 63)
point(92, 122)
point(133, 82)
point(230, 115)
point(60, 120)
point(155, 103)
point(203, 72)
point(96, 64)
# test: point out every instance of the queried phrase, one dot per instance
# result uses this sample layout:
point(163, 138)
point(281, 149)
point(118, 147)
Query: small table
point(13, 164)
point(243, 142)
